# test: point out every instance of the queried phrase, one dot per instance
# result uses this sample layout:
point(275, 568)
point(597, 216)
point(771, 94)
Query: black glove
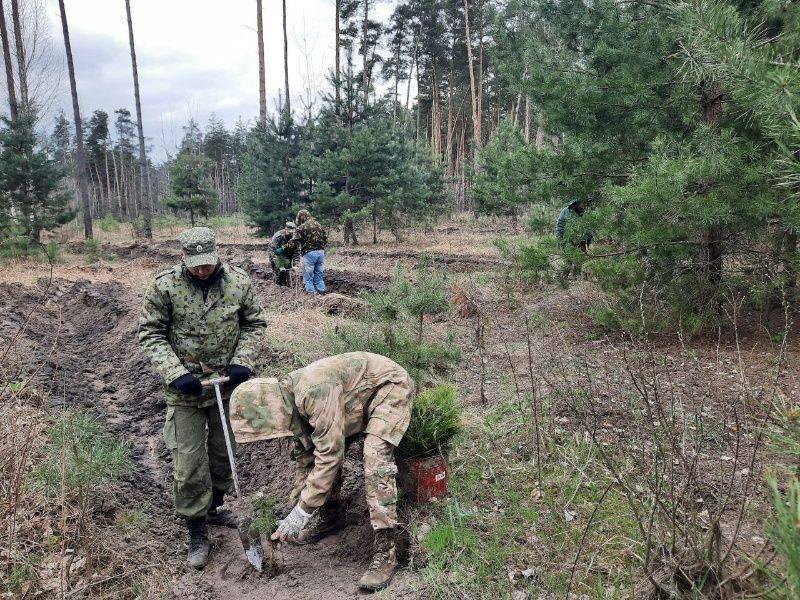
point(188, 384)
point(238, 374)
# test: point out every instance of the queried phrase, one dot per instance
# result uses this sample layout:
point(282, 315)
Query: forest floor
point(561, 416)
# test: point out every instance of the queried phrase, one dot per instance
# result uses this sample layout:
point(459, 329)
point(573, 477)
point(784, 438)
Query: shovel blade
point(255, 555)
point(251, 541)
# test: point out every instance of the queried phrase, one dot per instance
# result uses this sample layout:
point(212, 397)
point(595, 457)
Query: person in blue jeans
point(313, 267)
point(311, 238)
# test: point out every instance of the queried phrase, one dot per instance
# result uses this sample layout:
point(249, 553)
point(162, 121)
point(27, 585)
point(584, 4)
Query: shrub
point(435, 420)
point(108, 223)
point(530, 261)
point(420, 359)
point(393, 314)
point(540, 220)
point(93, 251)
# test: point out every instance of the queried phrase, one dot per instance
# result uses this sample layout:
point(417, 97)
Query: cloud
point(195, 58)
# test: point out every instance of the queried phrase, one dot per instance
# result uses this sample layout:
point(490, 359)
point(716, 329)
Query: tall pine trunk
point(711, 252)
point(12, 94)
point(479, 141)
point(473, 89)
point(262, 78)
point(22, 67)
point(364, 77)
point(80, 171)
point(396, 82)
point(147, 202)
point(411, 70)
point(286, 62)
point(338, 71)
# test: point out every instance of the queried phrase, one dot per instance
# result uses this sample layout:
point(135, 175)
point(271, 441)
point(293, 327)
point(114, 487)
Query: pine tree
point(376, 175)
point(30, 181)
point(189, 186)
point(271, 187)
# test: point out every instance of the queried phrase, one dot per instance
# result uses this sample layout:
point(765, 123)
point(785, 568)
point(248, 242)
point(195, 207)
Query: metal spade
point(251, 541)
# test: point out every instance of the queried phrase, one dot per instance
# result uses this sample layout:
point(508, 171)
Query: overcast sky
point(195, 58)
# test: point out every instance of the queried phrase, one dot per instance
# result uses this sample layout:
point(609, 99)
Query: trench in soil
point(81, 347)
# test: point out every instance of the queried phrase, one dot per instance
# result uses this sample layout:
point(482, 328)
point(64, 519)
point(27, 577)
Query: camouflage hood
point(260, 411)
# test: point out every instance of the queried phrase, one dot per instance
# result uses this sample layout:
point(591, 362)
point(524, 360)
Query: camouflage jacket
point(310, 236)
point(181, 332)
point(340, 396)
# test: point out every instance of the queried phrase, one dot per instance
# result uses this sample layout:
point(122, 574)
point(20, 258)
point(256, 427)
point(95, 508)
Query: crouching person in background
point(321, 406)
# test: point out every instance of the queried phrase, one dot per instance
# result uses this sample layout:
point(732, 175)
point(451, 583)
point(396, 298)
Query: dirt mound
point(347, 306)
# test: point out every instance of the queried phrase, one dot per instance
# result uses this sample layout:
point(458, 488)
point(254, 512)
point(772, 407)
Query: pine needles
point(435, 421)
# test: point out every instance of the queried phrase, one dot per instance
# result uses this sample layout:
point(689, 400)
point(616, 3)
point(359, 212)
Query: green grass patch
point(497, 533)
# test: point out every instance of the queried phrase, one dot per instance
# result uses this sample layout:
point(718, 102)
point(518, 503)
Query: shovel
point(251, 541)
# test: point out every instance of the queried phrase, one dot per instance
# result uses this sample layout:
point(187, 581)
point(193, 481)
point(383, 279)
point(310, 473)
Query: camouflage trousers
point(199, 457)
point(380, 474)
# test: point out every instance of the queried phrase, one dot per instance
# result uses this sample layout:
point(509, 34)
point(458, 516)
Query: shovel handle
point(218, 380)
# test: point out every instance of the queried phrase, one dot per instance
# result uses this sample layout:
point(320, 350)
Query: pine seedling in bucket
point(435, 421)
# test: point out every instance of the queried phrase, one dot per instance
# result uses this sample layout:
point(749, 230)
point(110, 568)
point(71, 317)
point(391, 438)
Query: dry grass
point(26, 271)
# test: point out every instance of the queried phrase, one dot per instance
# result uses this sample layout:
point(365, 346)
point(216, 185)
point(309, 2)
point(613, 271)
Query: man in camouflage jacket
point(321, 406)
point(200, 319)
point(311, 238)
point(280, 260)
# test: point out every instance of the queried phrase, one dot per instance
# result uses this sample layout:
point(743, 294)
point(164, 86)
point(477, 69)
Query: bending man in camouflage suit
point(200, 319)
point(322, 405)
point(311, 239)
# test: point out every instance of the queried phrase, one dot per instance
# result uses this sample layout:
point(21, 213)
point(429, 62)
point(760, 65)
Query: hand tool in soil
point(251, 541)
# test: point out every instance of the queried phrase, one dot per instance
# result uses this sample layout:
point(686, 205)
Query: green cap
point(199, 246)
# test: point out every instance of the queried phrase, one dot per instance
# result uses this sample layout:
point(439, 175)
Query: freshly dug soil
point(77, 341)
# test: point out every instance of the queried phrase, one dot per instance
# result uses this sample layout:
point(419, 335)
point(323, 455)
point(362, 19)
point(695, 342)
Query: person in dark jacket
point(566, 221)
point(311, 239)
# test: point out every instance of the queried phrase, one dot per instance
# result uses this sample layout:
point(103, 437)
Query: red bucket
point(423, 479)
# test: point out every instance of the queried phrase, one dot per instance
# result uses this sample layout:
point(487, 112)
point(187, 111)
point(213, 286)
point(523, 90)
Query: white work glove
point(293, 524)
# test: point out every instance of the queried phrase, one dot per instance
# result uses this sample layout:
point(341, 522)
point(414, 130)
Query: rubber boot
point(331, 519)
point(220, 518)
point(197, 557)
point(384, 562)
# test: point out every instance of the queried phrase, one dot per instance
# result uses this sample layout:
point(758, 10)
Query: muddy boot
point(331, 519)
point(199, 547)
point(220, 518)
point(384, 562)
